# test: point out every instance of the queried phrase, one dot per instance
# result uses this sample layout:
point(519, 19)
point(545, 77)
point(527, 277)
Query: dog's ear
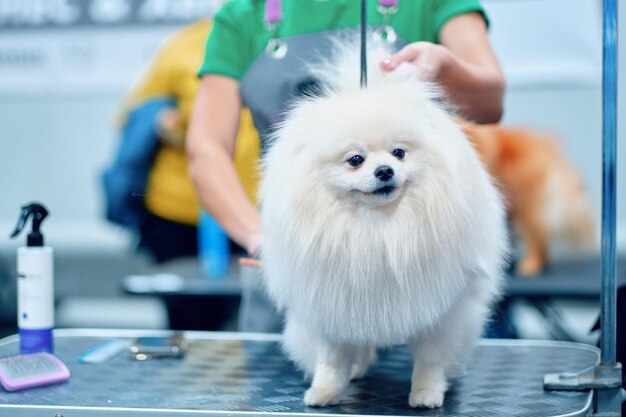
point(309, 88)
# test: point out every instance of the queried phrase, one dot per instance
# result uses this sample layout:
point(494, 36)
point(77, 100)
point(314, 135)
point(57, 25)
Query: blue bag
point(126, 179)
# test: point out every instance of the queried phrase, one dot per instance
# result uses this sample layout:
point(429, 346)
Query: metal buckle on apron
point(277, 48)
point(386, 33)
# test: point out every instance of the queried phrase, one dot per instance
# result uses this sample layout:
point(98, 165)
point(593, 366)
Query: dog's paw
point(321, 396)
point(426, 398)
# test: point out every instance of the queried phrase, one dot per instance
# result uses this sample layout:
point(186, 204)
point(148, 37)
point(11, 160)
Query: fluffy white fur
point(353, 270)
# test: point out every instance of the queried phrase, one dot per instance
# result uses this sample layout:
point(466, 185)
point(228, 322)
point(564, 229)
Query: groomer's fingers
point(255, 263)
point(426, 57)
point(407, 54)
point(427, 66)
point(168, 127)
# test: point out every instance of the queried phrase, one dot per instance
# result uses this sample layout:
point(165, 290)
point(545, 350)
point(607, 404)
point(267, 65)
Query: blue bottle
point(213, 247)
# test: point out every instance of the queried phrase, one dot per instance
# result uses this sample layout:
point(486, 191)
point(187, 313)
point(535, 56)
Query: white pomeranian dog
point(381, 227)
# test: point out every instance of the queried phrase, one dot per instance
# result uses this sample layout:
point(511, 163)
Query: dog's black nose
point(384, 173)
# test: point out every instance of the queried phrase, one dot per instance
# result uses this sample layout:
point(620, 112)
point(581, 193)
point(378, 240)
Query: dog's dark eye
point(356, 160)
point(398, 153)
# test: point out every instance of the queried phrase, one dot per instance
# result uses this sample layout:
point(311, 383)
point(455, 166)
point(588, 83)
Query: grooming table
point(246, 374)
point(572, 278)
point(565, 279)
point(576, 278)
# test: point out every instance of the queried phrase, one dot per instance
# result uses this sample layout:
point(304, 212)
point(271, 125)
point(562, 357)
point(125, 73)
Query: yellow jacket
point(172, 73)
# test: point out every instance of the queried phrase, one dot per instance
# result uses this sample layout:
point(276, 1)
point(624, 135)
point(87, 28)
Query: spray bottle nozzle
point(39, 213)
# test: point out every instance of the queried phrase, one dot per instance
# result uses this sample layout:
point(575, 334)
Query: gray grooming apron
point(267, 88)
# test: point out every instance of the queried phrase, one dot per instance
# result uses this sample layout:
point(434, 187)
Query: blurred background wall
point(65, 64)
point(64, 67)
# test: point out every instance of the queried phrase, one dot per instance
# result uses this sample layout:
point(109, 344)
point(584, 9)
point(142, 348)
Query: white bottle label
point(35, 288)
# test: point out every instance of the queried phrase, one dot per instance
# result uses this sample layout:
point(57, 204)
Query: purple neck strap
point(274, 9)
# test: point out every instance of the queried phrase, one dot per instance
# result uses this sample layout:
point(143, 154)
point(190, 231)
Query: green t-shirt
point(239, 33)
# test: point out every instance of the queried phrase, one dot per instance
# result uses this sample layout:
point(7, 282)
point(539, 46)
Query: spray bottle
point(35, 284)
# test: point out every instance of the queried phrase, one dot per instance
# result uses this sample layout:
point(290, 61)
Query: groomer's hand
point(253, 245)
point(429, 59)
point(168, 127)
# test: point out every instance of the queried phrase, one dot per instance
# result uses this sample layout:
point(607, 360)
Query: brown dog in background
point(545, 196)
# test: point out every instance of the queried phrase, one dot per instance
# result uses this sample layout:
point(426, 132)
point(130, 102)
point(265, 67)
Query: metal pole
point(363, 43)
point(606, 378)
point(609, 150)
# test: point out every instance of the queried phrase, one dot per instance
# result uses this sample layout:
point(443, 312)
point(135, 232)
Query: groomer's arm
point(464, 64)
point(211, 139)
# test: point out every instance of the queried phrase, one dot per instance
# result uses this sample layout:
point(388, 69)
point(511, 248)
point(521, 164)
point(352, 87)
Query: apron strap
point(274, 11)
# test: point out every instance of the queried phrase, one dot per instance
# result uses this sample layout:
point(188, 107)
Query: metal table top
point(246, 374)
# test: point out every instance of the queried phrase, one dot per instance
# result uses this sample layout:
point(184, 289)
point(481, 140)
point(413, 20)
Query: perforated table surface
point(247, 374)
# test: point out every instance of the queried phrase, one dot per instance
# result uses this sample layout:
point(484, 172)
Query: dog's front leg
point(364, 356)
point(333, 366)
point(428, 382)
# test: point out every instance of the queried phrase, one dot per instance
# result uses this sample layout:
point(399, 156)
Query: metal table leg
point(605, 378)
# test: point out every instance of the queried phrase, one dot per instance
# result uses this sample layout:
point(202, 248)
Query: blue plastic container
point(213, 247)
